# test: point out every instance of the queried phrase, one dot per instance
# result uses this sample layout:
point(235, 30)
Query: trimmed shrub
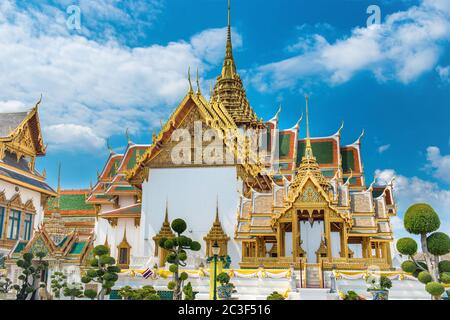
point(424, 277)
point(435, 289)
point(407, 246)
point(445, 277)
point(421, 218)
point(179, 226)
point(444, 266)
point(409, 266)
point(438, 244)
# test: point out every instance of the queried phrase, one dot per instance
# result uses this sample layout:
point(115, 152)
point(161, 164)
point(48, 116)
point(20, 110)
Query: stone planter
point(380, 294)
point(225, 292)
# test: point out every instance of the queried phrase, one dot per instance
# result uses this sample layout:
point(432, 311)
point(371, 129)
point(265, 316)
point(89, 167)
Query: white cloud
point(72, 138)
point(384, 148)
point(12, 106)
point(103, 86)
point(410, 190)
point(402, 48)
point(439, 164)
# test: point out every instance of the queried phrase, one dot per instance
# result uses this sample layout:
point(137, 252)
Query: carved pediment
point(29, 206)
point(310, 194)
point(16, 201)
point(2, 197)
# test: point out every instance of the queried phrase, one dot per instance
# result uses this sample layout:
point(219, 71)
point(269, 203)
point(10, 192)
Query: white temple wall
point(126, 201)
point(192, 195)
point(25, 195)
point(102, 226)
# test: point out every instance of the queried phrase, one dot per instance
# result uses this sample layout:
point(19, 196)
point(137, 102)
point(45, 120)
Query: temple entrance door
point(311, 236)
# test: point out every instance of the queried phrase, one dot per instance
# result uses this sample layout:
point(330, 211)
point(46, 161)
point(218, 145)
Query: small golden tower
point(54, 226)
point(217, 234)
point(165, 232)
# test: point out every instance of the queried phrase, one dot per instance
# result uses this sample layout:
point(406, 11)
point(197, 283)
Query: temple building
point(302, 202)
point(67, 249)
point(118, 206)
point(75, 213)
point(23, 190)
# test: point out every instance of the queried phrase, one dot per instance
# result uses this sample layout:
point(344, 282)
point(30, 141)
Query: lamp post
point(215, 251)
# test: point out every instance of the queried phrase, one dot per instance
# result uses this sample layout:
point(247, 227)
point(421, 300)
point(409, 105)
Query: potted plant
point(6, 287)
point(226, 289)
point(275, 296)
point(379, 288)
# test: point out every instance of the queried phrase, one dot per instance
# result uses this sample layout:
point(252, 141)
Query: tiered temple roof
point(20, 143)
point(112, 182)
point(75, 212)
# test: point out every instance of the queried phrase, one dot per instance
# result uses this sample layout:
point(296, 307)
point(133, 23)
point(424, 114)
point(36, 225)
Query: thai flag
point(147, 273)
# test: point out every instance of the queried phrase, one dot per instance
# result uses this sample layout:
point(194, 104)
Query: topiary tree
point(57, 283)
point(421, 219)
point(144, 293)
point(73, 290)
point(436, 289)
point(178, 255)
point(188, 292)
point(31, 273)
point(103, 271)
point(275, 296)
point(90, 293)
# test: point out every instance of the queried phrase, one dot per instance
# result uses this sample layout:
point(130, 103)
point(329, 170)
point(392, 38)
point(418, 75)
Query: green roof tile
point(70, 202)
point(348, 160)
point(284, 143)
point(323, 151)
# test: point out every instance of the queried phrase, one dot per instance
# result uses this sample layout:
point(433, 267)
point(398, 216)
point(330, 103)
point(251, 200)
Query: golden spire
point(166, 217)
point(217, 210)
point(166, 230)
point(190, 83)
point(308, 149)
point(58, 197)
point(229, 67)
point(198, 85)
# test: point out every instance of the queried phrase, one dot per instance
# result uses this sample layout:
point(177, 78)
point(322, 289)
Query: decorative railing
point(325, 263)
point(270, 262)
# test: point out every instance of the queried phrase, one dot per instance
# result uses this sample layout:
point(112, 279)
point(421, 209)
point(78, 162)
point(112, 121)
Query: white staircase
point(313, 276)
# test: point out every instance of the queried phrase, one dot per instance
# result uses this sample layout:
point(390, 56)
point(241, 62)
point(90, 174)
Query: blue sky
point(126, 68)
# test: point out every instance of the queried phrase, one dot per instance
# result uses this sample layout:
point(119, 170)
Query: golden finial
point(38, 102)
point(198, 84)
point(211, 90)
point(166, 217)
point(297, 125)
point(90, 184)
point(217, 209)
point(190, 83)
point(338, 133)
point(127, 135)
point(358, 141)
point(108, 145)
point(44, 173)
